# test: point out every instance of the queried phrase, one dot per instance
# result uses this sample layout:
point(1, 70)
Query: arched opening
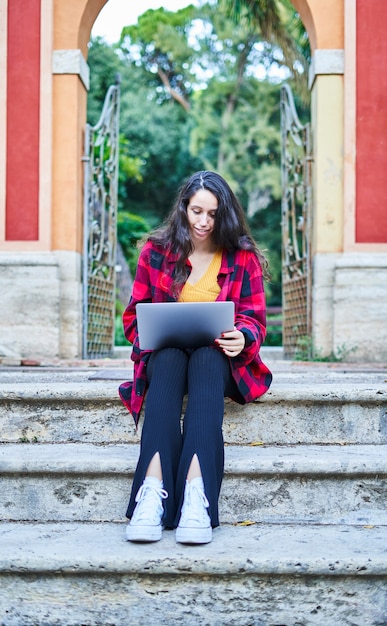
point(75, 31)
point(73, 21)
point(275, 285)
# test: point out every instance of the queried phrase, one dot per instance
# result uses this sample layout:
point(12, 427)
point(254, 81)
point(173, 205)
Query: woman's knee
point(209, 359)
point(167, 360)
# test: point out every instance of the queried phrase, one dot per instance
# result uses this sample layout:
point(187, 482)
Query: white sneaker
point(145, 524)
point(195, 523)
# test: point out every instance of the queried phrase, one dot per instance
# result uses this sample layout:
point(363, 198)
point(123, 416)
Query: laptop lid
point(182, 324)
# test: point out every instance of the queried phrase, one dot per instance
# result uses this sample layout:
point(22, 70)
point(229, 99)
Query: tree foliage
point(159, 43)
point(280, 25)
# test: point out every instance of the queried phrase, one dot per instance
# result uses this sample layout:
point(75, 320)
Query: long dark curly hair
point(231, 231)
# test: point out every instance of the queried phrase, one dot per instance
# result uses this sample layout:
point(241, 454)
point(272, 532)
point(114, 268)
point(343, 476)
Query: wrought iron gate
point(100, 228)
point(296, 166)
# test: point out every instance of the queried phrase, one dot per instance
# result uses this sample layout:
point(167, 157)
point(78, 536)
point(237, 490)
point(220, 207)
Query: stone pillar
point(325, 25)
point(360, 291)
point(73, 20)
point(29, 285)
point(348, 82)
point(43, 91)
point(326, 81)
point(70, 84)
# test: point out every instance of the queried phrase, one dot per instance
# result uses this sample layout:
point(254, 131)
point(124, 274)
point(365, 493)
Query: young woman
point(204, 252)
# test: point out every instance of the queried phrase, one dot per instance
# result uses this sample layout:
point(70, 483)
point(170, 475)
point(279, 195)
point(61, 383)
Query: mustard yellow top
point(206, 289)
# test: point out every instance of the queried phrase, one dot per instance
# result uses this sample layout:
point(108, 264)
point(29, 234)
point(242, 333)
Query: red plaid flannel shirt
point(240, 280)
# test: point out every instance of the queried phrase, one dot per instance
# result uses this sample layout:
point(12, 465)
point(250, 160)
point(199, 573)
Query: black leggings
point(206, 376)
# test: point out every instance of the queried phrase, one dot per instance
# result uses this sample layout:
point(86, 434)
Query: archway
point(72, 31)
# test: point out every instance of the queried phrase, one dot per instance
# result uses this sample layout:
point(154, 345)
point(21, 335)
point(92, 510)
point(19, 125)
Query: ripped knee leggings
point(205, 376)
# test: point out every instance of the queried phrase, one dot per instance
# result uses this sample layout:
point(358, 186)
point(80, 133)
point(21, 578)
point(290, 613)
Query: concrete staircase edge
point(119, 458)
point(259, 549)
point(106, 391)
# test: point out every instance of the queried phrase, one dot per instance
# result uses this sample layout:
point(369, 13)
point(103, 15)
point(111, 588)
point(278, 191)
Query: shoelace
point(195, 504)
point(149, 502)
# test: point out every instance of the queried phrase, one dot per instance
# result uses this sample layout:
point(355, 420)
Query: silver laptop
point(182, 324)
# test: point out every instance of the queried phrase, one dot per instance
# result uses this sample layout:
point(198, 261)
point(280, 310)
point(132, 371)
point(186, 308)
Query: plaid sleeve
point(141, 292)
point(251, 308)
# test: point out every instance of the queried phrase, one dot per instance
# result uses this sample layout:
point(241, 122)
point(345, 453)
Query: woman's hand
point(232, 342)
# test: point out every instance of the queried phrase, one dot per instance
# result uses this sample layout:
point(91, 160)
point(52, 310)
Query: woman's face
point(201, 211)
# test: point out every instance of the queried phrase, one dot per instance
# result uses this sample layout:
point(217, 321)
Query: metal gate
point(100, 228)
point(296, 166)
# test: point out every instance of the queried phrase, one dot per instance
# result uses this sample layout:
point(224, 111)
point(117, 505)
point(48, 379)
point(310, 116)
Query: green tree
point(158, 135)
point(104, 67)
point(159, 43)
point(280, 25)
point(229, 124)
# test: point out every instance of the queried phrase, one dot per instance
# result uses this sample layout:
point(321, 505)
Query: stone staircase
point(303, 508)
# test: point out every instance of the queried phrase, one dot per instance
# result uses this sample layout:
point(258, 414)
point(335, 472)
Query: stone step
point(276, 484)
point(68, 574)
point(293, 411)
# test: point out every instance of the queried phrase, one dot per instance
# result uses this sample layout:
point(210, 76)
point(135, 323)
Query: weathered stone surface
point(71, 574)
point(322, 298)
point(316, 554)
point(71, 302)
point(326, 484)
point(180, 600)
point(361, 277)
point(33, 328)
point(340, 283)
point(288, 414)
point(51, 324)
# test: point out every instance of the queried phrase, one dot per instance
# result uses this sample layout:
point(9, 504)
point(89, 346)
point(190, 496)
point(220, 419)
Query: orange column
point(73, 20)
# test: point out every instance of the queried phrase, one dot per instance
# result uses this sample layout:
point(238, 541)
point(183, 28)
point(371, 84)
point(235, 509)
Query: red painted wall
point(23, 99)
point(371, 122)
